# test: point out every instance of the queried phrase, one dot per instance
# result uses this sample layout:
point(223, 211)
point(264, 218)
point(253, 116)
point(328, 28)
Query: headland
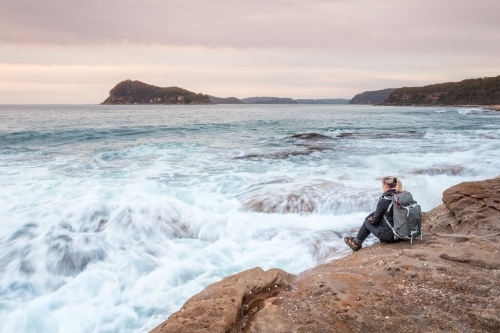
point(137, 92)
point(482, 91)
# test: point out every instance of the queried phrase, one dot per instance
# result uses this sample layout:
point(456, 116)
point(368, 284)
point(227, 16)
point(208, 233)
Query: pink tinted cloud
point(422, 26)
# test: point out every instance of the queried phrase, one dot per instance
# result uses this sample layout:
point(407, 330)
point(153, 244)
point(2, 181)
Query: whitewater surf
point(113, 216)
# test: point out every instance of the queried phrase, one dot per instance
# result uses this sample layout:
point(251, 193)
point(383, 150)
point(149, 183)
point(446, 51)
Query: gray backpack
point(407, 216)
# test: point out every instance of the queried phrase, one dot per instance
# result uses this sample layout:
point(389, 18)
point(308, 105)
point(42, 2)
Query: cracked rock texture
point(217, 307)
point(447, 282)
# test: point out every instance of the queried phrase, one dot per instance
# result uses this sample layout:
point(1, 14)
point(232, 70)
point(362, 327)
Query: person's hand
point(370, 218)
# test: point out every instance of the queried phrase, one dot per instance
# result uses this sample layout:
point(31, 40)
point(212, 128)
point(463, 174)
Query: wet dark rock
point(303, 145)
point(93, 220)
point(450, 170)
point(67, 256)
point(282, 155)
point(381, 135)
point(310, 136)
point(28, 231)
point(292, 198)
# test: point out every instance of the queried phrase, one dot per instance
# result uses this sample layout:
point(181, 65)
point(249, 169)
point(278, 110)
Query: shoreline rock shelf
point(449, 281)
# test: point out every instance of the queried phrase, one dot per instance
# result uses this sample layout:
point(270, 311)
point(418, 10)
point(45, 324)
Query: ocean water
point(111, 217)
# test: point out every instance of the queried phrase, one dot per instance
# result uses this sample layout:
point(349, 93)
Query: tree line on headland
point(137, 92)
point(481, 91)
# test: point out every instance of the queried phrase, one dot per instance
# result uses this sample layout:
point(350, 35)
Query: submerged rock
point(287, 198)
point(303, 145)
point(314, 196)
point(383, 134)
point(282, 155)
point(310, 136)
point(450, 170)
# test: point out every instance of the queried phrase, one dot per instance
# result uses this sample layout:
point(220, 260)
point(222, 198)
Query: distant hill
point(268, 100)
point(482, 91)
point(137, 92)
point(323, 101)
point(228, 100)
point(372, 97)
point(284, 100)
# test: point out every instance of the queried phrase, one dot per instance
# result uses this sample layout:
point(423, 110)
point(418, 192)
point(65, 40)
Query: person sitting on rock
point(375, 223)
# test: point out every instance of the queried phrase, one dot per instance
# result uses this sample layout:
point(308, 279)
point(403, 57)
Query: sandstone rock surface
point(223, 306)
point(475, 206)
point(447, 282)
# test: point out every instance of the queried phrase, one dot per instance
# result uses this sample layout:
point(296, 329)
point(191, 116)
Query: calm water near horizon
point(111, 217)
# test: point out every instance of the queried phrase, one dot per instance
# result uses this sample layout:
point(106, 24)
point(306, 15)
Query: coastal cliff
point(137, 92)
point(446, 282)
point(482, 91)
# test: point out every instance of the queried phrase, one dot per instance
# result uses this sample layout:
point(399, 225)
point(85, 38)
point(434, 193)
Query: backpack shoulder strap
point(390, 198)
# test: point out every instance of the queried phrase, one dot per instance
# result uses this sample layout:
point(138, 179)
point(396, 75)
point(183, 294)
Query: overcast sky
point(75, 51)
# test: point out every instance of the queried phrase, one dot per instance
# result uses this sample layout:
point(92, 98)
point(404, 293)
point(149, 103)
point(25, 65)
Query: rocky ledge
point(447, 282)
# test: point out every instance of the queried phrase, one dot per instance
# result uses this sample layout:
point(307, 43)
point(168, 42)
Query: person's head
point(391, 182)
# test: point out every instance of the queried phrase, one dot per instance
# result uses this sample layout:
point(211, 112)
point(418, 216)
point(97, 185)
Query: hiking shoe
point(350, 242)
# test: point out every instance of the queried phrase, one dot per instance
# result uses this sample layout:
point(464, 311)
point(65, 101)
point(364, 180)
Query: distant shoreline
point(493, 107)
point(488, 107)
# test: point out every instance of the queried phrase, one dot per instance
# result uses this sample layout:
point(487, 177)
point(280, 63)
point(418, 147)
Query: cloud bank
point(292, 48)
point(349, 25)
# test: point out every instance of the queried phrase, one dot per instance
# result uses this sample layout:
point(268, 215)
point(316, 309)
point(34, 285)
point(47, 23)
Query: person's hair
point(394, 183)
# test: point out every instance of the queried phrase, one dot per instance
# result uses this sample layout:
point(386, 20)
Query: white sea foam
point(462, 110)
point(115, 234)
